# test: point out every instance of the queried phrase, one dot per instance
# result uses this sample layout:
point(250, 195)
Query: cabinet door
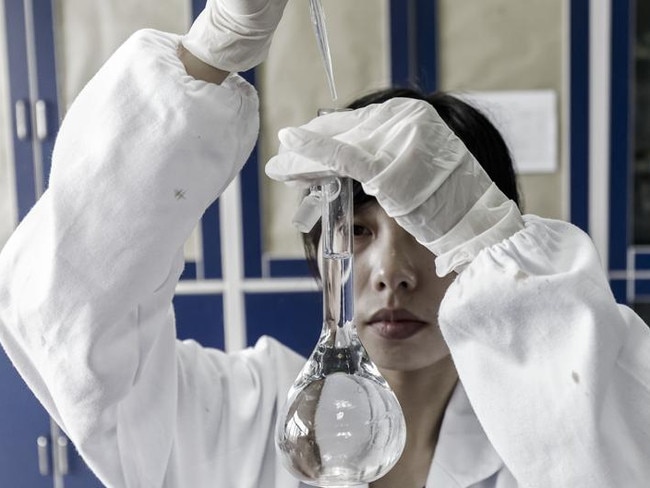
point(629, 171)
point(22, 422)
point(33, 451)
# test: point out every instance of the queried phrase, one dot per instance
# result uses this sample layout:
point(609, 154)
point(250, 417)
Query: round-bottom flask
point(341, 424)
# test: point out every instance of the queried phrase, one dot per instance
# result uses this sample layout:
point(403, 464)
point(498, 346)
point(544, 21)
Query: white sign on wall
point(527, 119)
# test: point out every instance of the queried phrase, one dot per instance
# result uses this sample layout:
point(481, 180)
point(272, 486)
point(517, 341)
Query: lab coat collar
point(464, 455)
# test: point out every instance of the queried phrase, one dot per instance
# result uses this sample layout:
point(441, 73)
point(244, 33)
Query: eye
point(359, 230)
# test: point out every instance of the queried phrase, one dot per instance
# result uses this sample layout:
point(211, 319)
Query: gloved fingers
point(375, 119)
point(337, 123)
point(306, 155)
point(296, 170)
point(399, 139)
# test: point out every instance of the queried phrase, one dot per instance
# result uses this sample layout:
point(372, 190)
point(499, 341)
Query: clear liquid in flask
point(341, 424)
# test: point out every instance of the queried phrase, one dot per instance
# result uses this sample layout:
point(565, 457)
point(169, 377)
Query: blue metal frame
point(251, 208)
point(19, 91)
point(46, 77)
point(200, 317)
point(22, 421)
point(426, 44)
point(414, 44)
point(642, 262)
point(579, 113)
point(620, 146)
point(642, 288)
point(211, 232)
point(289, 268)
point(401, 49)
point(294, 318)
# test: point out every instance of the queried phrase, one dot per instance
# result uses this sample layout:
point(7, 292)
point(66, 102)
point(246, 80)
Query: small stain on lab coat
point(521, 275)
point(575, 376)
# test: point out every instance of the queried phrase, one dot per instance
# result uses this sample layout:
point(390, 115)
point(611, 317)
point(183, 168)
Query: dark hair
point(472, 127)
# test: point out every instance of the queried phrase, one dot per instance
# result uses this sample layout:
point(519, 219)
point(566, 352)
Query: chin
point(406, 366)
point(415, 353)
point(406, 360)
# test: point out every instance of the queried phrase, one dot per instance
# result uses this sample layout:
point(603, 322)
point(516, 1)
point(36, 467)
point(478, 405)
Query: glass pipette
point(318, 21)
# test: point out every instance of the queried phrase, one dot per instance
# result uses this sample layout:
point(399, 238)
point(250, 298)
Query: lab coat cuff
point(492, 219)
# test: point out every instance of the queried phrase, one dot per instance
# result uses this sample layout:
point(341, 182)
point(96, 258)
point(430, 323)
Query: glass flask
point(341, 424)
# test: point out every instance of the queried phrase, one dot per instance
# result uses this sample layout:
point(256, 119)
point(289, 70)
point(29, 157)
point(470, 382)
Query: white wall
point(87, 33)
point(510, 45)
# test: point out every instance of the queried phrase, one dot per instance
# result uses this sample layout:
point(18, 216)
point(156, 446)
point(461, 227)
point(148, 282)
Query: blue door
point(629, 219)
point(33, 450)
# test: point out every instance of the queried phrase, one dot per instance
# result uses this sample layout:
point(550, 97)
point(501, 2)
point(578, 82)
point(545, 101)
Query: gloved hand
point(234, 35)
point(419, 171)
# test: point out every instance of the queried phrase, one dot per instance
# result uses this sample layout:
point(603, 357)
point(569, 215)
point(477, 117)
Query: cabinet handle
point(62, 455)
point(40, 110)
point(21, 120)
point(42, 444)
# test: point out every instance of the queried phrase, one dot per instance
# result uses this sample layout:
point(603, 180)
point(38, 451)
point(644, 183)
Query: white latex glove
point(234, 35)
point(421, 174)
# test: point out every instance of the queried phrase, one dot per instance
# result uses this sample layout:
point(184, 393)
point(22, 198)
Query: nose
point(394, 266)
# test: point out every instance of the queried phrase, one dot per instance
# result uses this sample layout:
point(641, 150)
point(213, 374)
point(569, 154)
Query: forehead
point(366, 207)
point(370, 210)
point(368, 204)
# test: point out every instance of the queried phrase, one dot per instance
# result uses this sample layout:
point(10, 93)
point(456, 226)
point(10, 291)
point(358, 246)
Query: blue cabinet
point(629, 230)
point(22, 422)
point(33, 450)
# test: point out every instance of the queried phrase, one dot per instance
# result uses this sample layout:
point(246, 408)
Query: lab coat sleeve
point(557, 373)
point(88, 276)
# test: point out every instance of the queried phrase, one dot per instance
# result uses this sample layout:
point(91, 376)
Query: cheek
point(435, 288)
point(361, 274)
point(442, 284)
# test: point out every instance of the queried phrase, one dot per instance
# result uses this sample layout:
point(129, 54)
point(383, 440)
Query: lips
point(396, 324)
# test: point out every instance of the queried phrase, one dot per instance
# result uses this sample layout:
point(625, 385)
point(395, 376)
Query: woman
point(398, 295)
point(553, 369)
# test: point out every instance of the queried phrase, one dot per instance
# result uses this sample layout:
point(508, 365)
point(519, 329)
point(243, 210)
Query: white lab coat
point(556, 373)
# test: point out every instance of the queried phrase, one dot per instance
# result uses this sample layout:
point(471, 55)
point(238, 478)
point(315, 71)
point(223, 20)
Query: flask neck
point(336, 254)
